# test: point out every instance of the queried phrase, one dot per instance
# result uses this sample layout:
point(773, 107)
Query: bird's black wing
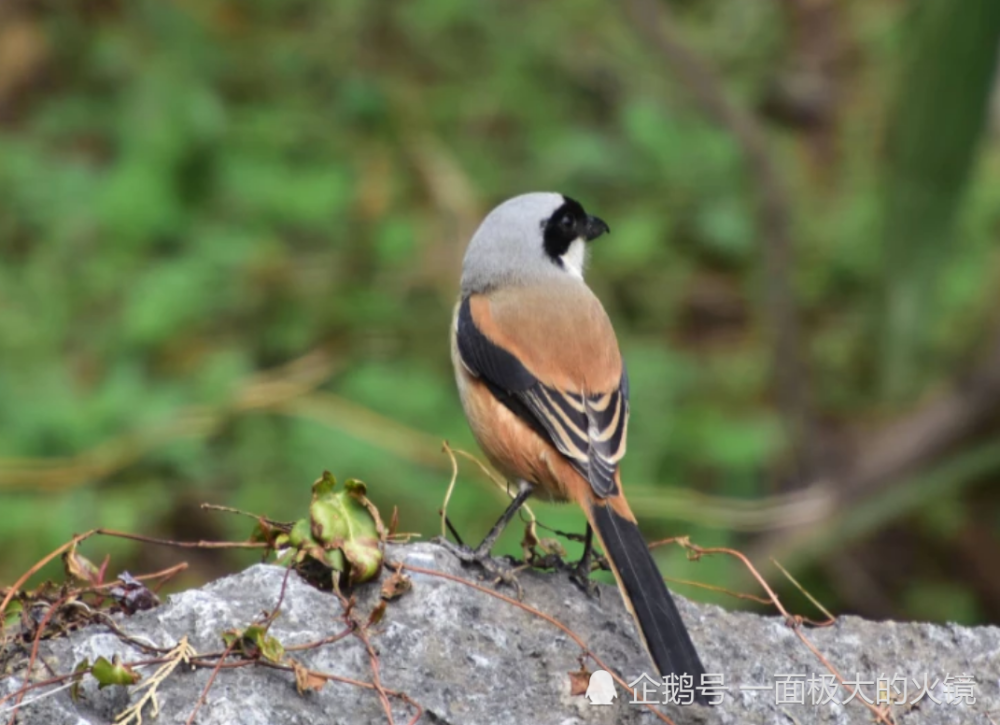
point(589, 430)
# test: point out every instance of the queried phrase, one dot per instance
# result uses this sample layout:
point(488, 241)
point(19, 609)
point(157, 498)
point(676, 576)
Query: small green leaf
point(254, 642)
point(78, 672)
point(12, 614)
point(113, 673)
point(271, 648)
point(301, 533)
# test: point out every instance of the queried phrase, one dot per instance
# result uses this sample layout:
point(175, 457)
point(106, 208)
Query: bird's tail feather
point(644, 592)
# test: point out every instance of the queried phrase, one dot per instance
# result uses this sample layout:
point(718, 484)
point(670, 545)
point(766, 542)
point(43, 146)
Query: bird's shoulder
point(560, 332)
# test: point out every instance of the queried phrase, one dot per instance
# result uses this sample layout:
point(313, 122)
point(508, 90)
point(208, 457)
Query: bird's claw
point(500, 572)
point(580, 575)
point(579, 572)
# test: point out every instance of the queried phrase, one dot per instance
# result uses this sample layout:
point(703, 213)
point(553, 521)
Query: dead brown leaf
point(579, 681)
point(306, 679)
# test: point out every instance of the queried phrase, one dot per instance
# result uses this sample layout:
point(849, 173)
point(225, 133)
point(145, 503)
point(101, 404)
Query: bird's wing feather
point(586, 425)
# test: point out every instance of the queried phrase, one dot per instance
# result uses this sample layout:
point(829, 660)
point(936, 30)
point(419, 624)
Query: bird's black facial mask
point(569, 223)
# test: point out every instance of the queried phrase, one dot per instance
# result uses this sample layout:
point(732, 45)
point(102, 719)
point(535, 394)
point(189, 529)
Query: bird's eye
point(567, 222)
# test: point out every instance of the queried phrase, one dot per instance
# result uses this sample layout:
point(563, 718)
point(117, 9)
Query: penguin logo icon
point(601, 690)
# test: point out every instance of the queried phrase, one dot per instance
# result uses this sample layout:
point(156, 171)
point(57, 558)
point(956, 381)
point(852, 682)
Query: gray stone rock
point(470, 658)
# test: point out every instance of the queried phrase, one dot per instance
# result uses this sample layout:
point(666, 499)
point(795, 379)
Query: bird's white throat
point(575, 258)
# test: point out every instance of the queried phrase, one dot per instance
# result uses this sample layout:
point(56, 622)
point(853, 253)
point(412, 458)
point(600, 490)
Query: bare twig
point(228, 510)
point(360, 630)
point(273, 614)
point(211, 680)
point(451, 487)
point(720, 590)
point(334, 678)
point(882, 714)
point(497, 480)
point(831, 619)
point(184, 544)
point(321, 642)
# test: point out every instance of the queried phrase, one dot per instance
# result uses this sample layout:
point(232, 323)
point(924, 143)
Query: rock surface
point(470, 658)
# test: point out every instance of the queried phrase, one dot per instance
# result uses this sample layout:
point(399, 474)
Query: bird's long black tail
point(646, 595)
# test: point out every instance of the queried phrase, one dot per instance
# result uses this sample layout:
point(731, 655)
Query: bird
point(546, 394)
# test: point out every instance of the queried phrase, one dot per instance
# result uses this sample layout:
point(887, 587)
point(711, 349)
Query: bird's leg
point(583, 566)
point(581, 572)
point(523, 492)
point(481, 554)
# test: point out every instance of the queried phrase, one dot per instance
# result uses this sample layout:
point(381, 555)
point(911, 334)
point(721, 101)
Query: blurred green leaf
point(113, 673)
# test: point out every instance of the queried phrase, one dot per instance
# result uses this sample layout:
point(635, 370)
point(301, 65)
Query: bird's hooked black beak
point(595, 228)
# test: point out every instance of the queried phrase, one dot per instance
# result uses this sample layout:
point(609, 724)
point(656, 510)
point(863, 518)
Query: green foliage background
point(194, 192)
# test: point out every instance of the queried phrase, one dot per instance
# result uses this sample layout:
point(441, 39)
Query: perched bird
point(545, 391)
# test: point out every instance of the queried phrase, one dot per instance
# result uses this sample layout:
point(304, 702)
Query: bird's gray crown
point(533, 238)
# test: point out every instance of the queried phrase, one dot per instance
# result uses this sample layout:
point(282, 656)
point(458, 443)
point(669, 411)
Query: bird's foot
point(579, 572)
point(580, 575)
point(499, 571)
point(545, 560)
